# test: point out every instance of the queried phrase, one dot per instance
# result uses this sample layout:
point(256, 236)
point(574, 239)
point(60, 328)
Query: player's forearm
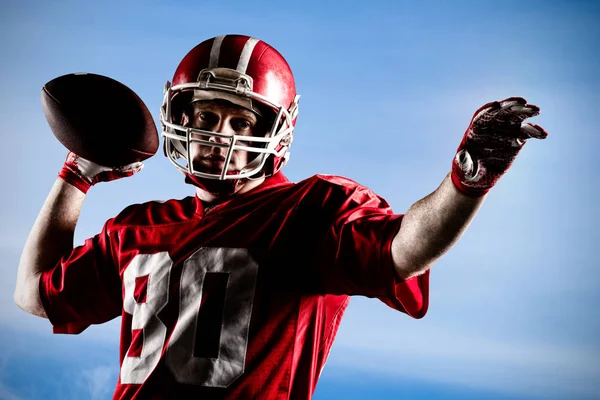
point(50, 238)
point(430, 227)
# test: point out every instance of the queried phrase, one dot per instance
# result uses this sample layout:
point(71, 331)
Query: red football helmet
point(247, 72)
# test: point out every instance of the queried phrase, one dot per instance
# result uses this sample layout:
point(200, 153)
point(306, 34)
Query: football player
point(237, 292)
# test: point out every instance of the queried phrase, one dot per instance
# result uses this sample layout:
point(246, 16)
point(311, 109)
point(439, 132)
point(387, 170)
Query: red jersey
point(241, 301)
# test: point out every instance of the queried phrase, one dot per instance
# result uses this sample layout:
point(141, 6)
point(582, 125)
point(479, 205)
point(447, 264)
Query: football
point(100, 119)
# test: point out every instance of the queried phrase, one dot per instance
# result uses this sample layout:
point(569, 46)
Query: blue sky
point(388, 88)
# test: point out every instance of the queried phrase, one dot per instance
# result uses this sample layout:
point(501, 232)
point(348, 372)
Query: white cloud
point(491, 377)
point(446, 344)
point(6, 394)
point(98, 382)
point(436, 351)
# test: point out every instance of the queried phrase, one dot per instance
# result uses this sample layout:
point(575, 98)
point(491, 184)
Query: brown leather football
point(100, 119)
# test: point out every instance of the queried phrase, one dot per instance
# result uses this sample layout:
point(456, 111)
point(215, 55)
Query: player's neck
point(208, 197)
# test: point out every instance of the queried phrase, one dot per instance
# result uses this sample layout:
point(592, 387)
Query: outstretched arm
point(430, 227)
point(490, 145)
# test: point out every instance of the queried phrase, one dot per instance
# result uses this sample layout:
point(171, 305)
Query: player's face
point(225, 118)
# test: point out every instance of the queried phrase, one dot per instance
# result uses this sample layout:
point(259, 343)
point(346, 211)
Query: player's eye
point(241, 124)
point(207, 117)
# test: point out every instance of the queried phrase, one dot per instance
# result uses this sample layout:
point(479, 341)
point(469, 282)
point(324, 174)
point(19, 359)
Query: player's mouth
point(213, 164)
point(213, 160)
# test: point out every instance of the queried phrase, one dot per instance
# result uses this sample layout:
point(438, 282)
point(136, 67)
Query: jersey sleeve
point(355, 256)
point(83, 288)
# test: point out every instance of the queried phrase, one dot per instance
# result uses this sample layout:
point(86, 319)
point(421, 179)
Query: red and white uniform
point(239, 302)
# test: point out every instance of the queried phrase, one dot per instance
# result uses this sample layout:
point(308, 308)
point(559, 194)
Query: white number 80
point(241, 272)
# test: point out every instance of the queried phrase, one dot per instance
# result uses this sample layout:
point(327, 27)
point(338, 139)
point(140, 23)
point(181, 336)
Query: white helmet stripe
point(245, 56)
point(215, 51)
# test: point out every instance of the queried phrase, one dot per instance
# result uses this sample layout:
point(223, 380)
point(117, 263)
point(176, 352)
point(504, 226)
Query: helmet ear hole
point(267, 114)
point(180, 104)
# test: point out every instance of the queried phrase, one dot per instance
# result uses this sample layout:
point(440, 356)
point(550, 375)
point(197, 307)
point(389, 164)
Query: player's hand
point(83, 173)
point(491, 144)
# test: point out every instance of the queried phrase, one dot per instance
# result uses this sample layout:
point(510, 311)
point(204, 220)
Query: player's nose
point(221, 138)
point(224, 132)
